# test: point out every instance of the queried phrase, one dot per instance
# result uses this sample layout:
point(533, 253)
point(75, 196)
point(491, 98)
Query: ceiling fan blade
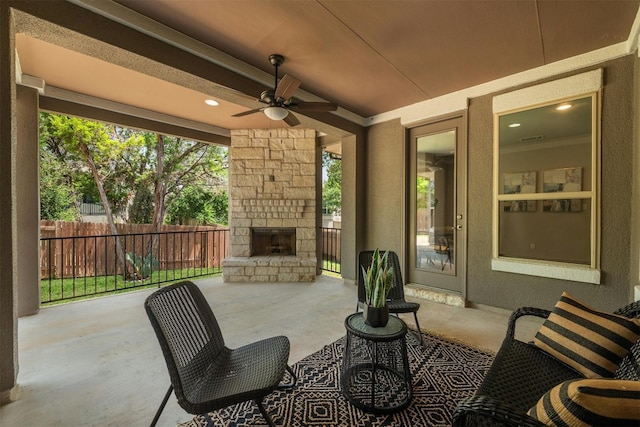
point(291, 120)
point(287, 86)
point(246, 113)
point(314, 106)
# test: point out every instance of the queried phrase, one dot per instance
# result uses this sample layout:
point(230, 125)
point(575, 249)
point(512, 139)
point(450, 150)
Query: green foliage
point(144, 265)
point(60, 291)
point(425, 191)
point(332, 187)
point(85, 186)
point(141, 210)
point(131, 164)
point(57, 197)
point(203, 206)
point(220, 205)
point(78, 142)
point(378, 280)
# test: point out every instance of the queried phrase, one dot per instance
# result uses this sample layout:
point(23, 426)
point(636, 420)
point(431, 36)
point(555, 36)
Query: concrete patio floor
point(98, 363)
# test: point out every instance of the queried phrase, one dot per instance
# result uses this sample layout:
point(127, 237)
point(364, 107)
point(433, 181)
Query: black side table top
point(394, 330)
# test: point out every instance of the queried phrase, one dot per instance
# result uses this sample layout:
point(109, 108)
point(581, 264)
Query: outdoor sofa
point(558, 379)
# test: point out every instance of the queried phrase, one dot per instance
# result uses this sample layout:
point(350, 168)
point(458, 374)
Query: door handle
point(458, 227)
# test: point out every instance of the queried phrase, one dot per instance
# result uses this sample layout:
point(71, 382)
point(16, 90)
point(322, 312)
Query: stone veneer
point(272, 184)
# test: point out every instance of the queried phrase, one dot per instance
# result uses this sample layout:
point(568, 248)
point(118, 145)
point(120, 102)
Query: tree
point(57, 196)
point(203, 206)
point(130, 164)
point(220, 204)
point(88, 143)
point(135, 174)
point(332, 186)
point(141, 210)
point(170, 164)
point(110, 151)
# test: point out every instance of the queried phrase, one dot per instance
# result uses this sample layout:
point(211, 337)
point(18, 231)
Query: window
point(546, 176)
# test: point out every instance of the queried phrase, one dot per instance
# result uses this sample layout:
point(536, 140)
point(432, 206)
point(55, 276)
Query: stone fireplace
point(272, 207)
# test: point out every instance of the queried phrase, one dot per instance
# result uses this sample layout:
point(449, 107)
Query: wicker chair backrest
point(630, 367)
point(188, 333)
point(397, 291)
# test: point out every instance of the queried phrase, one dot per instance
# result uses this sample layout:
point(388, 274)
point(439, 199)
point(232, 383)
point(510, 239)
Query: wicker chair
point(396, 302)
point(521, 374)
point(204, 373)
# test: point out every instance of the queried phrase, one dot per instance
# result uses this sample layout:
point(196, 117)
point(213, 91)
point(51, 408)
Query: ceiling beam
point(83, 21)
point(58, 105)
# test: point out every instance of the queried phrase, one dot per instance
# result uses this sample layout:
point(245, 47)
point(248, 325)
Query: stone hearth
point(272, 185)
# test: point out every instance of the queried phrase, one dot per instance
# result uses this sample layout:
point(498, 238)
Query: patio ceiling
point(369, 57)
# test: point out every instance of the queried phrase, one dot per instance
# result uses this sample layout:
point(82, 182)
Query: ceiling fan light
point(276, 113)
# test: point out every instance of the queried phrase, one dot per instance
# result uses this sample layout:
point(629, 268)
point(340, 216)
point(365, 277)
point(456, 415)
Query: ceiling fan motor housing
point(267, 96)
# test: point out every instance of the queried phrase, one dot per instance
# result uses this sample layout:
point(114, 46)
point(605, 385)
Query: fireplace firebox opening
point(273, 241)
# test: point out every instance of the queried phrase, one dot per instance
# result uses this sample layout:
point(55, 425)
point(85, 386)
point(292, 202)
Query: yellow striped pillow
point(590, 402)
point(590, 341)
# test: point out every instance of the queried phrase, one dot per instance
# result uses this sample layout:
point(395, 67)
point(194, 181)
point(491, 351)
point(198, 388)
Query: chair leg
point(294, 380)
point(161, 408)
point(264, 413)
point(415, 315)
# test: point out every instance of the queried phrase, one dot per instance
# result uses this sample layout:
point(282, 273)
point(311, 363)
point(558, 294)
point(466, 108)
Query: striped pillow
point(590, 402)
point(591, 342)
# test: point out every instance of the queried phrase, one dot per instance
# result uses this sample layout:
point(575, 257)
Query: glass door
point(437, 211)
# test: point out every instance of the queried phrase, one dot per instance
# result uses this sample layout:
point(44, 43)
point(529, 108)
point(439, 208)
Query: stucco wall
point(8, 243)
point(512, 290)
point(385, 184)
point(28, 201)
point(386, 201)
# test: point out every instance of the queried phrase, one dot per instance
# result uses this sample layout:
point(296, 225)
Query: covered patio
point(97, 362)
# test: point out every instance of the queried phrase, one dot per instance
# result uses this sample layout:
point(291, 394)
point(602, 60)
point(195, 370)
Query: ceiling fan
point(279, 101)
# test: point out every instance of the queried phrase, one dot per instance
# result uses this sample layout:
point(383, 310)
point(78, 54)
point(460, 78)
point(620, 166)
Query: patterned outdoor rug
point(443, 373)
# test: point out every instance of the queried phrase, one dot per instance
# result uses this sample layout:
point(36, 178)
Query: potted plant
point(378, 280)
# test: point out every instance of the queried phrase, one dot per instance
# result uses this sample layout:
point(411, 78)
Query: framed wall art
point(566, 180)
point(520, 183)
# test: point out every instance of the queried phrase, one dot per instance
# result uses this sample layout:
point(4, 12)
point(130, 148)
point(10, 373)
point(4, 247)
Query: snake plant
point(378, 280)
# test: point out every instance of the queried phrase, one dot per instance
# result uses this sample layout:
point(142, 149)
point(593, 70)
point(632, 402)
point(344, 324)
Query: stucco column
point(8, 260)
point(319, 206)
point(28, 201)
point(634, 292)
point(353, 207)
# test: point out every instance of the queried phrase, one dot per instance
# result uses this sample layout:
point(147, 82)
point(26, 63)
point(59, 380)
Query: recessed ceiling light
point(563, 107)
point(514, 125)
point(211, 102)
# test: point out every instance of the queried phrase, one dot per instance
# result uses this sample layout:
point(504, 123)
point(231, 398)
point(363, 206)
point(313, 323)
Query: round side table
point(375, 368)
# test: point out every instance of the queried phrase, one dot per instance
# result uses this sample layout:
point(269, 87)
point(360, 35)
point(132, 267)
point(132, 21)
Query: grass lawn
point(60, 291)
point(331, 267)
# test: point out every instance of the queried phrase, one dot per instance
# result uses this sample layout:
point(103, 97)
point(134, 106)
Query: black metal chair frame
point(205, 374)
point(395, 300)
point(521, 373)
